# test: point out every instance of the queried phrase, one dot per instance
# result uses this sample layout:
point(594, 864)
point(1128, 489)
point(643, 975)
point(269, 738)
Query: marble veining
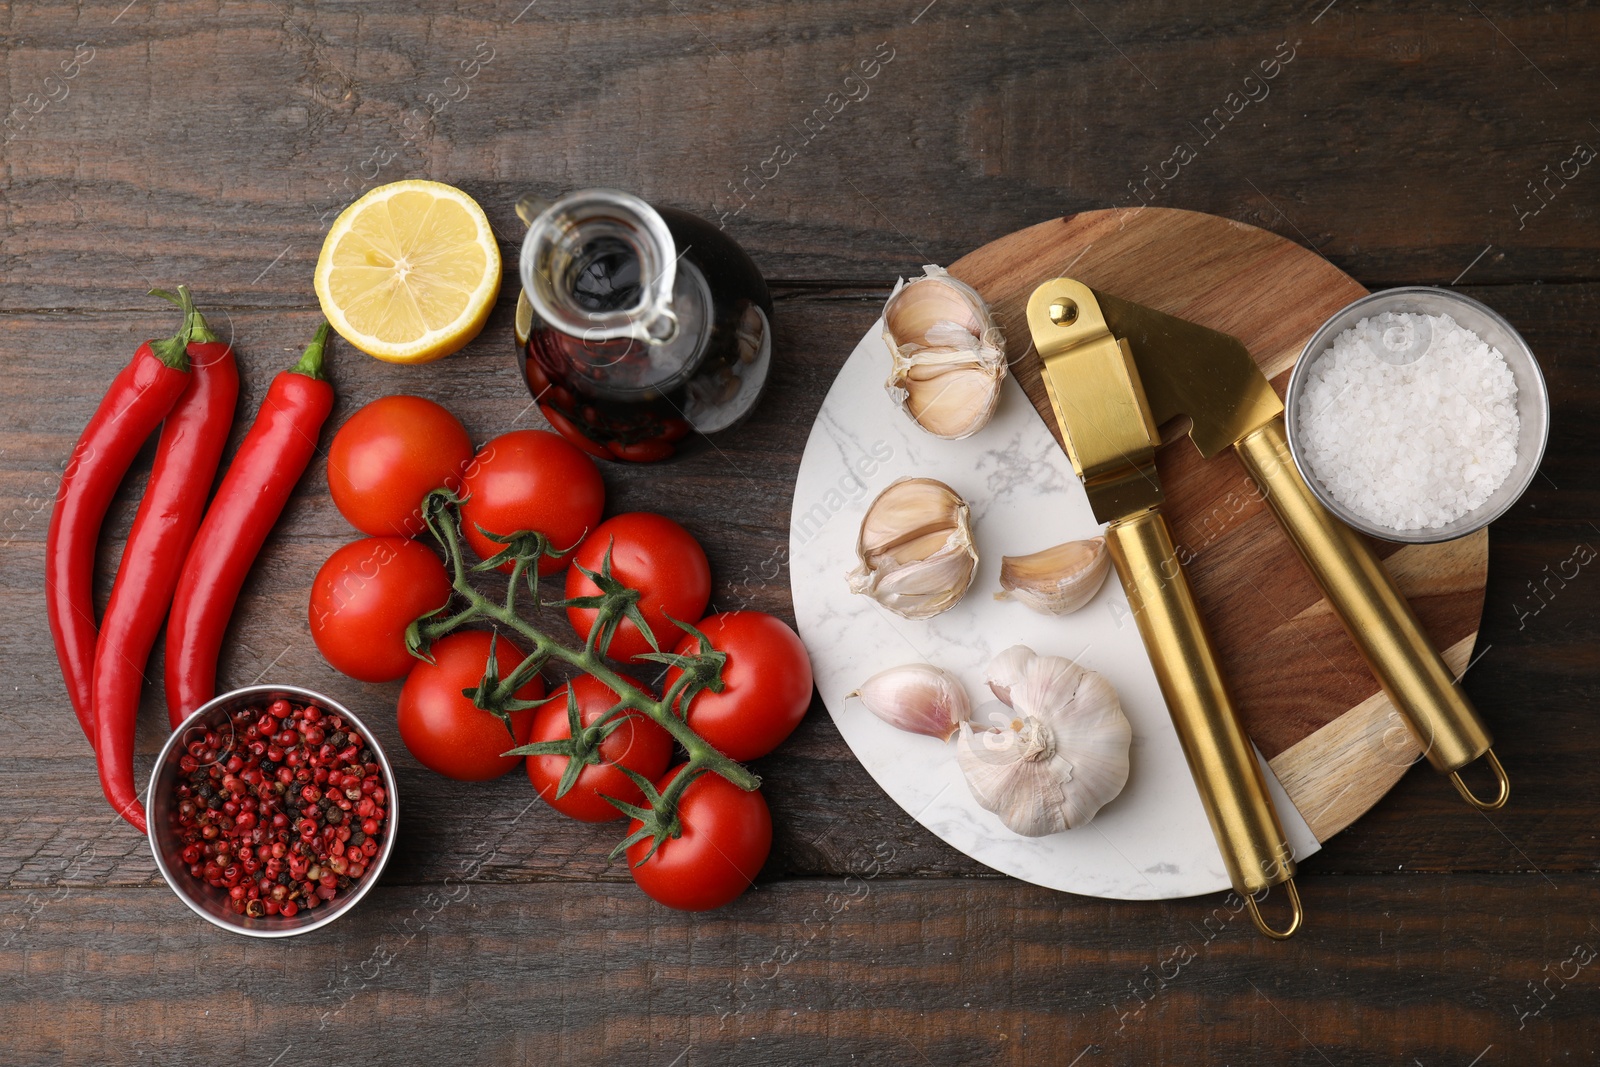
point(1152, 841)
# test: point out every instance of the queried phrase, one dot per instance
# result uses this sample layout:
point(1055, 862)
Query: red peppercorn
point(237, 836)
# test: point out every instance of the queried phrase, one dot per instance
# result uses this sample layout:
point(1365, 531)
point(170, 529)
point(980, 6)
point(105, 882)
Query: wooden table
point(212, 143)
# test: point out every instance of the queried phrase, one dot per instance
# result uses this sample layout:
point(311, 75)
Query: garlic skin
point(1058, 580)
point(1060, 757)
point(948, 356)
point(916, 550)
point(1008, 671)
point(917, 697)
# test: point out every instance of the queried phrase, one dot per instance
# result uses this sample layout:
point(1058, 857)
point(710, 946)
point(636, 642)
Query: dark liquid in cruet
point(609, 278)
point(625, 399)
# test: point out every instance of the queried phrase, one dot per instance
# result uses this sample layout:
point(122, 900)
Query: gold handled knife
point(1110, 430)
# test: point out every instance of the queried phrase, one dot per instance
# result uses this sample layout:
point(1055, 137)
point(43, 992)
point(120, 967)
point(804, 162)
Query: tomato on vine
point(365, 596)
point(635, 742)
point(388, 455)
point(531, 480)
point(649, 553)
point(766, 684)
point(442, 727)
point(725, 834)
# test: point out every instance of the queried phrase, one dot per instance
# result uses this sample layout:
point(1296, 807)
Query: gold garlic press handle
point(1379, 620)
point(1249, 835)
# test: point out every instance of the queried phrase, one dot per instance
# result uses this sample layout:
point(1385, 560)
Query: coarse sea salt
point(1409, 445)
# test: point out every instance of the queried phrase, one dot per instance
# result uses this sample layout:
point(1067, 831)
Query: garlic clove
point(934, 311)
point(956, 403)
point(947, 354)
point(915, 549)
point(1057, 580)
point(917, 697)
point(1061, 754)
point(909, 509)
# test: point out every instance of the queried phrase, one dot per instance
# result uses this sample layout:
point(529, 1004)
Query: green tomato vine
point(613, 603)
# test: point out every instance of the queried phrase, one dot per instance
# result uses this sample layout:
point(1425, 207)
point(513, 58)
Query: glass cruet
point(640, 329)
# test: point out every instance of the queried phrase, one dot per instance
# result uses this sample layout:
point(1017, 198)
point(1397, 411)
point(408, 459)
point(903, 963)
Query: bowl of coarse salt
point(1417, 415)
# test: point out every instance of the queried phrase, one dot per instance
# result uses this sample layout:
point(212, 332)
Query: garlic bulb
point(948, 355)
point(917, 697)
point(1057, 580)
point(1061, 754)
point(915, 547)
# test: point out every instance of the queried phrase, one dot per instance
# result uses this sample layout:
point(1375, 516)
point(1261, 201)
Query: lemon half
point(409, 272)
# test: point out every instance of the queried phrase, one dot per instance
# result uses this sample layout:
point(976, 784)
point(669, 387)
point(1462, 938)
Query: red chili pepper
point(270, 460)
point(139, 398)
point(192, 439)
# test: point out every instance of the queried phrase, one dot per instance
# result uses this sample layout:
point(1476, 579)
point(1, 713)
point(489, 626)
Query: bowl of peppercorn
point(272, 811)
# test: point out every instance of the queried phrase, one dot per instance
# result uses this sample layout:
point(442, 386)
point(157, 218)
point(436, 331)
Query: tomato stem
point(441, 512)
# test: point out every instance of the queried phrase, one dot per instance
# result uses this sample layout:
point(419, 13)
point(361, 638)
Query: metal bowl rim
point(368, 880)
point(1320, 341)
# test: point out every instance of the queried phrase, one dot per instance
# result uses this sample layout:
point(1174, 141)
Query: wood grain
point(209, 141)
point(979, 126)
point(839, 970)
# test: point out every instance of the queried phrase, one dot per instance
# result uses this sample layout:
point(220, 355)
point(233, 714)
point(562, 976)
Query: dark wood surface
point(211, 142)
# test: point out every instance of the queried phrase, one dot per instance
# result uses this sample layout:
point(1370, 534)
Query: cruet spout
point(600, 265)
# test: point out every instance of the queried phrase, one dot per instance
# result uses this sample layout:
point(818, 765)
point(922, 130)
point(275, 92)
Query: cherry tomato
point(766, 684)
point(387, 456)
point(638, 744)
point(531, 480)
point(443, 728)
point(365, 596)
point(654, 555)
point(727, 833)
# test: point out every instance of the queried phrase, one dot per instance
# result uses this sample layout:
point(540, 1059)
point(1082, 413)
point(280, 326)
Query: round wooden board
point(1306, 698)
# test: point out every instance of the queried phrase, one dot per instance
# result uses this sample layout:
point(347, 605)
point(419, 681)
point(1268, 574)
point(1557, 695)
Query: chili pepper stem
point(311, 360)
point(194, 323)
point(174, 350)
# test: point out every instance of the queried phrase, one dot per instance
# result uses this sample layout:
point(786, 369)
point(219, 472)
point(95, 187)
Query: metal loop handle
point(1294, 923)
point(1499, 772)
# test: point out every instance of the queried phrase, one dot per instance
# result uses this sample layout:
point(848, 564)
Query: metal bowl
point(161, 807)
point(1533, 402)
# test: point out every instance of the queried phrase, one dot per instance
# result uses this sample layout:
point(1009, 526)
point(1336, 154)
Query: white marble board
point(1152, 842)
